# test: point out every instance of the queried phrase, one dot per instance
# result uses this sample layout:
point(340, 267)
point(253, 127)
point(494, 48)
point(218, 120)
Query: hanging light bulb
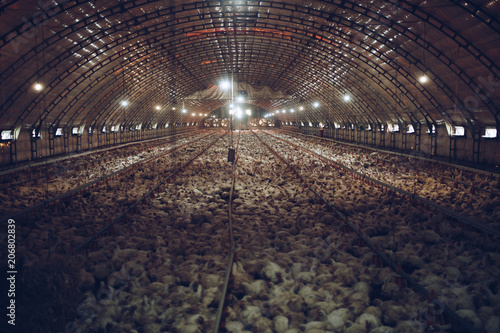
point(423, 79)
point(38, 86)
point(124, 103)
point(225, 84)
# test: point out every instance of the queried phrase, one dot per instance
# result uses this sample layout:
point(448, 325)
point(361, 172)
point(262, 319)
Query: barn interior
point(250, 166)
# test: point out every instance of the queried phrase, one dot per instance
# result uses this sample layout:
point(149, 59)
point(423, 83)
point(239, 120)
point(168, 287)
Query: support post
point(34, 146)
point(66, 140)
point(476, 141)
point(433, 130)
point(382, 135)
point(13, 151)
point(453, 148)
point(52, 134)
point(78, 142)
point(392, 139)
point(418, 134)
point(404, 136)
point(99, 138)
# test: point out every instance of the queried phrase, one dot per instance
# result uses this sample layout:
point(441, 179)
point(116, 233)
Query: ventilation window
point(7, 135)
point(90, 130)
point(59, 132)
point(104, 129)
point(459, 131)
point(490, 133)
point(393, 127)
point(337, 125)
point(410, 129)
point(74, 131)
point(369, 128)
point(138, 127)
point(33, 133)
point(429, 130)
point(155, 126)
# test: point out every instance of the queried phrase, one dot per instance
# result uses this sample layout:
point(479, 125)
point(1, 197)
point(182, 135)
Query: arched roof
point(90, 55)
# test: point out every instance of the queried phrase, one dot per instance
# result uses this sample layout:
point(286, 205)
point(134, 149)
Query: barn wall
point(489, 149)
point(99, 140)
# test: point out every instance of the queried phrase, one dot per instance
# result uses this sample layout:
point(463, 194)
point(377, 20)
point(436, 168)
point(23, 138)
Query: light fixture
point(316, 104)
point(423, 79)
point(173, 108)
point(292, 110)
point(225, 84)
point(201, 114)
point(301, 108)
point(158, 107)
point(38, 86)
point(283, 111)
point(248, 111)
point(347, 98)
point(193, 114)
point(124, 103)
point(240, 98)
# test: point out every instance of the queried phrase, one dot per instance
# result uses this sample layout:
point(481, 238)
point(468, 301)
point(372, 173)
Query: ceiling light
point(183, 110)
point(240, 98)
point(347, 98)
point(38, 87)
point(248, 111)
point(193, 114)
point(292, 110)
point(316, 104)
point(158, 107)
point(201, 114)
point(173, 108)
point(124, 103)
point(423, 79)
point(301, 108)
point(225, 84)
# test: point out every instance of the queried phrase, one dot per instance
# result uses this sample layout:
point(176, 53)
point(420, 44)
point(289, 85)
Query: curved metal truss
point(91, 55)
